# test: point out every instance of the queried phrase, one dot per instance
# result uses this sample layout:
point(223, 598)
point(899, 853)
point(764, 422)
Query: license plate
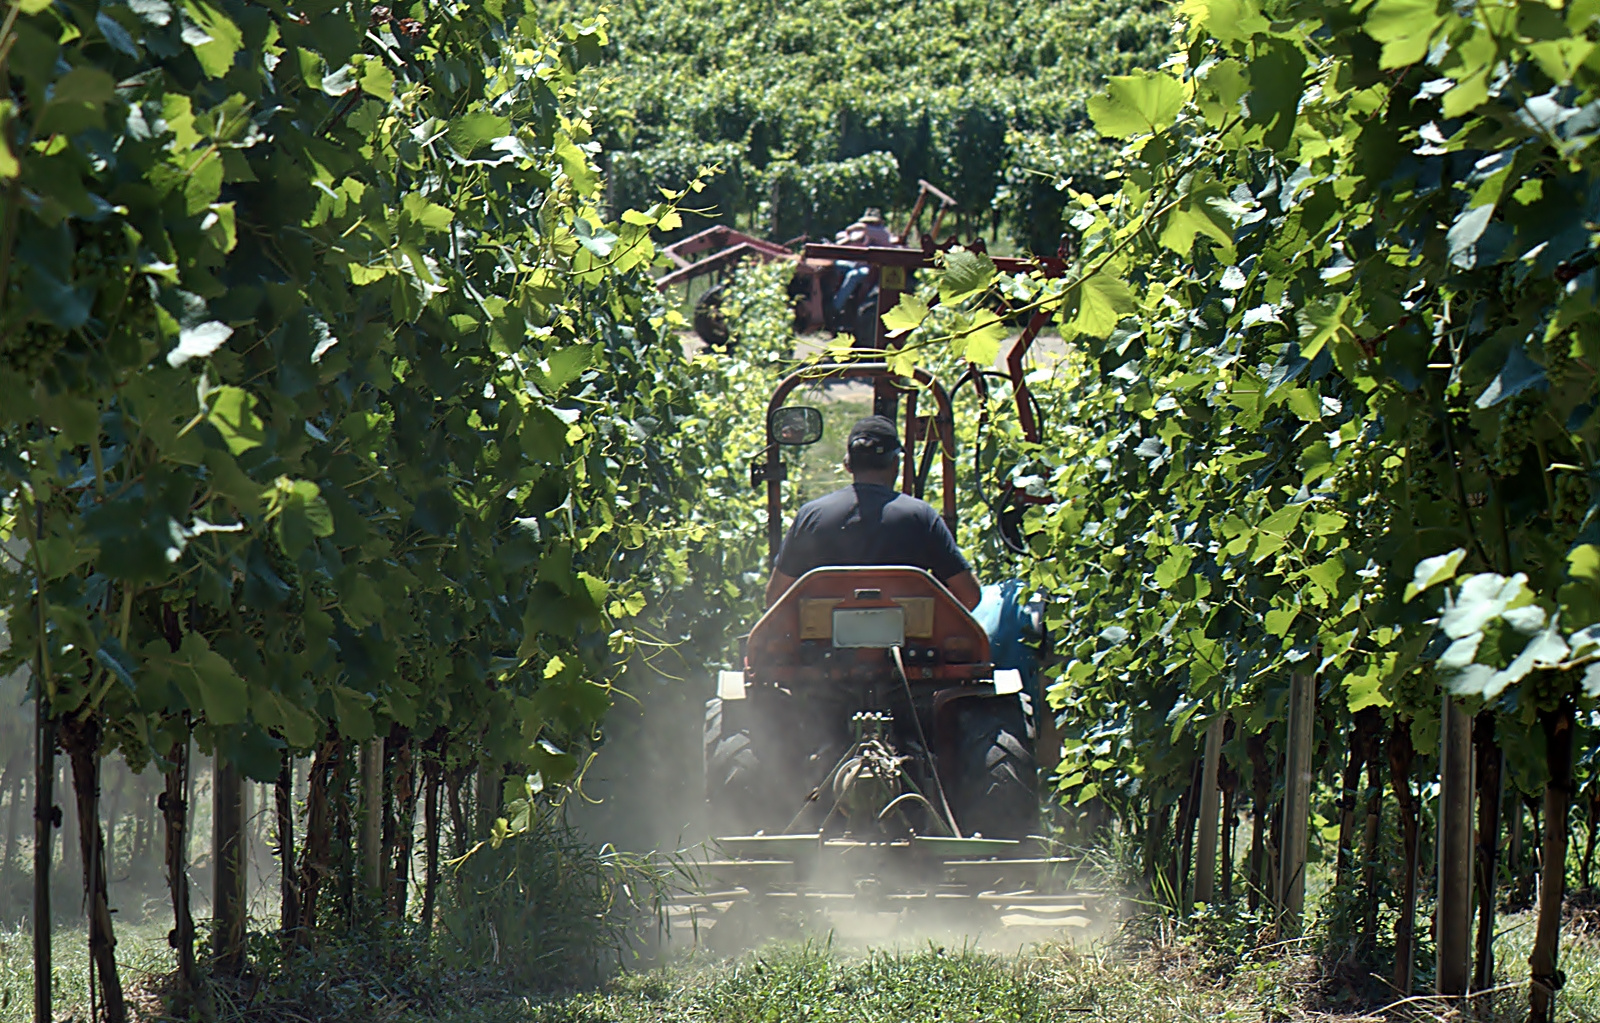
point(869, 627)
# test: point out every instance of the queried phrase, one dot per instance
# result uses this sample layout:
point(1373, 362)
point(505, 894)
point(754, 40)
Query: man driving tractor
point(870, 523)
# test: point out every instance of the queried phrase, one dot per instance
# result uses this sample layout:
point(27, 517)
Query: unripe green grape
point(26, 349)
point(1558, 361)
point(1573, 496)
point(1545, 688)
point(1515, 433)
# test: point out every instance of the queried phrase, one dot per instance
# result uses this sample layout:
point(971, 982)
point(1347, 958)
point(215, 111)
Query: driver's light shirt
point(870, 524)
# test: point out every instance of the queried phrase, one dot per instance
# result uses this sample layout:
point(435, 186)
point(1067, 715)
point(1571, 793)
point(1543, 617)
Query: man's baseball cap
point(874, 435)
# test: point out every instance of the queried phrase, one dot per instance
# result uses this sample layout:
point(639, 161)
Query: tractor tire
point(709, 322)
point(997, 783)
point(739, 799)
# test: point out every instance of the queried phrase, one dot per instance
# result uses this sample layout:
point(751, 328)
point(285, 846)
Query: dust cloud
point(644, 793)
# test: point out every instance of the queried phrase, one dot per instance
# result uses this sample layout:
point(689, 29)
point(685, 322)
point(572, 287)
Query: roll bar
point(771, 469)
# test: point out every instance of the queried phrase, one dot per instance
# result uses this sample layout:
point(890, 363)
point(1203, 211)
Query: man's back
point(870, 524)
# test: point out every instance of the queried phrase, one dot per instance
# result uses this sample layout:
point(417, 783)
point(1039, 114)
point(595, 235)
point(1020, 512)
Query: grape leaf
point(1140, 103)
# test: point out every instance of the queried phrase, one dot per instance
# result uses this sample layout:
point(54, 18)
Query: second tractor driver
point(871, 523)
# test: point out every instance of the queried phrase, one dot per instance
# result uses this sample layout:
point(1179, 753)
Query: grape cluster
point(1574, 493)
point(289, 572)
point(1413, 689)
point(1517, 422)
point(1558, 361)
point(26, 348)
point(1545, 688)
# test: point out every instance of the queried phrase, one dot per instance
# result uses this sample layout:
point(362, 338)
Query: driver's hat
point(875, 435)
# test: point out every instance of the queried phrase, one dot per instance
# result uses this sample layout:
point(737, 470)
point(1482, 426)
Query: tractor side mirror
point(796, 425)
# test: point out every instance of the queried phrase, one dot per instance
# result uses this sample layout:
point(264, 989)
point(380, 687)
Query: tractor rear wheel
point(739, 800)
point(996, 791)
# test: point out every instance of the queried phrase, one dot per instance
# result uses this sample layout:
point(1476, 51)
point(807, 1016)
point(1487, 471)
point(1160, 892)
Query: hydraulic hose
point(915, 797)
point(922, 737)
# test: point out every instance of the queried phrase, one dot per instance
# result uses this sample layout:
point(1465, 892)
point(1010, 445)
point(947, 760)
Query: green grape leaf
point(232, 412)
point(66, 306)
point(1433, 571)
point(906, 316)
point(1560, 59)
point(431, 216)
point(377, 81)
point(252, 750)
point(1583, 562)
point(210, 682)
point(1141, 103)
point(982, 343)
point(1225, 19)
point(1464, 236)
point(576, 165)
point(1517, 375)
point(1278, 621)
point(1404, 27)
point(476, 129)
point(564, 366)
point(965, 273)
point(1322, 321)
point(78, 419)
point(274, 711)
point(359, 598)
point(298, 512)
point(1102, 303)
point(77, 102)
point(217, 41)
point(198, 342)
point(353, 711)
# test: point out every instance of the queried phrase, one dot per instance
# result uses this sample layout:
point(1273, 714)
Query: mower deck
point(876, 890)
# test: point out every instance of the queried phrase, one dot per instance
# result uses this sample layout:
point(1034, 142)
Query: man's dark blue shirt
point(870, 524)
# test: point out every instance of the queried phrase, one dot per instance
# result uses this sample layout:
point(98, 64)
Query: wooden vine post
point(433, 782)
point(1547, 977)
point(1490, 786)
point(228, 891)
point(1370, 834)
point(288, 891)
point(1401, 754)
point(1205, 867)
point(1453, 915)
point(1296, 801)
point(371, 834)
point(316, 860)
point(82, 743)
point(1259, 875)
point(44, 818)
point(174, 805)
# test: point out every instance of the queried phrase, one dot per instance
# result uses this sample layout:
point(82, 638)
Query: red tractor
point(878, 743)
point(829, 295)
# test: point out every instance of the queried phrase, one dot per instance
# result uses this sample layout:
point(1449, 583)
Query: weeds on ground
point(142, 955)
point(814, 982)
point(1140, 974)
point(544, 911)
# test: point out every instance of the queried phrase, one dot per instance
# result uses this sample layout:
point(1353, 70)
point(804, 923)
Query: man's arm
point(950, 566)
point(795, 556)
point(778, 585)
point(965, 588)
